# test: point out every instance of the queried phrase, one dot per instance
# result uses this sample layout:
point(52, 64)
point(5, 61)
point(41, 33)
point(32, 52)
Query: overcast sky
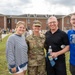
point(19, 7)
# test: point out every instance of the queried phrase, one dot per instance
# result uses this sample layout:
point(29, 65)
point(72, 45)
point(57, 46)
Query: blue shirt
point(71, 35)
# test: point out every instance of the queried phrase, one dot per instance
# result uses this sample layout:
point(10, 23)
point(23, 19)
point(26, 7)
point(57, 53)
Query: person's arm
point(45, 43)
point(65, 40)
point(56, 54)
point(10, 53)
point(27, 42)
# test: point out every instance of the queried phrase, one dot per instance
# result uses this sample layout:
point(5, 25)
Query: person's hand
point(13, 69)
point(54, 54)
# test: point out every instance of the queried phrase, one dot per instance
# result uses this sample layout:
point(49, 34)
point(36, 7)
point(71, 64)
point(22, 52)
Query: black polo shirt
point(56, 40)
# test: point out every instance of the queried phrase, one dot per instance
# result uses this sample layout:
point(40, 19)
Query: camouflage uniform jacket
point(36, 55)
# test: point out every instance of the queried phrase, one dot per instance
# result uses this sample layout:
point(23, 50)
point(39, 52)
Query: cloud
point(13, 7)
point(63, 2)
point(63, 7)
point(18, 7)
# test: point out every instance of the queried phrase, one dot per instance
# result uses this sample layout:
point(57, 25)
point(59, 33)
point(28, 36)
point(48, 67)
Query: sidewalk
point(3, 35)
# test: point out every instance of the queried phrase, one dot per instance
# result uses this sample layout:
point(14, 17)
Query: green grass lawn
point(67, 63)
point(3, 63)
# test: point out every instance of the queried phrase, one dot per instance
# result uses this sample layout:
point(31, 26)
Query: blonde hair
point(19, 23)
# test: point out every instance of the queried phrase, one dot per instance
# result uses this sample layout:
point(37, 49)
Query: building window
point(28, 21)
point(28, 27)
point(46, 21)
point(68, 21)
point(15, 20)
point(9, 21)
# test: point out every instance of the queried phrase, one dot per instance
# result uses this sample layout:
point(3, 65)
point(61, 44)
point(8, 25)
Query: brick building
point(9, 21)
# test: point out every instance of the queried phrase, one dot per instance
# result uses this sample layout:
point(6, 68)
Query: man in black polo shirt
point(58, 40)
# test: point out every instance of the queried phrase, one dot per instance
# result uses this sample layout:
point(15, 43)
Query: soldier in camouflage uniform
point(36, 55)
point(0, 34)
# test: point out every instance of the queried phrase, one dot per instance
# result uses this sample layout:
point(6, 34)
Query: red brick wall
point(67, 25)
point(2, 21)
point(31, 23)
point(44, 23)
point(60, 23)
point(43, 20)
point(13, 25)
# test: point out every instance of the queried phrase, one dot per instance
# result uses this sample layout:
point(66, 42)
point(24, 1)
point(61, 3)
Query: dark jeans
point(72, 69)
point(58, 69)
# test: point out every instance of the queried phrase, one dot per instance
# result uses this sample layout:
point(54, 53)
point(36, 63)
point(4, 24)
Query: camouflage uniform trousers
point(36, 70)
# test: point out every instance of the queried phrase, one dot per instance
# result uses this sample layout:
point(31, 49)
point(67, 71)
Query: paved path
point(3, 35)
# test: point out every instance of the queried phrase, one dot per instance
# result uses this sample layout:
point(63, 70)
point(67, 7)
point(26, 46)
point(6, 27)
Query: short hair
point(51, 17)
point(19, 23)
point(72, 15)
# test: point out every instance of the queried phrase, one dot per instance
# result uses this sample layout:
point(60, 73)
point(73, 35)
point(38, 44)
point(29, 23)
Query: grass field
point(3, 63)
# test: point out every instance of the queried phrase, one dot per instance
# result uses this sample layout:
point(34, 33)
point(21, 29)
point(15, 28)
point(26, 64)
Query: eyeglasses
point(73, 19)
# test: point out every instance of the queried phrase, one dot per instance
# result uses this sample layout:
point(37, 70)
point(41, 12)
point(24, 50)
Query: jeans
point(72, 69)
